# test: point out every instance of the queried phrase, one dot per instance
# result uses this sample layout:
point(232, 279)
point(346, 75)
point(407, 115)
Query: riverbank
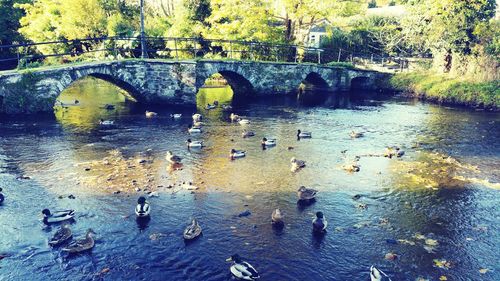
point(449, 90)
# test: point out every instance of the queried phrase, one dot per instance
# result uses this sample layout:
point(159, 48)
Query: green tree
point(9, 23)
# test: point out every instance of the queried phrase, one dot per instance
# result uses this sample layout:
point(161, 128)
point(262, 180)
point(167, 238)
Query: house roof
point(318, 28)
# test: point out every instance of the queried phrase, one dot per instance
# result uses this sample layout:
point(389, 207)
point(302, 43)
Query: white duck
point(356, 135)
point(303, 135)
point(234, 117)
point(297, 164)
point(174, 159)
point(194, 130)
point(176, 115)
point(57, 216)
point(150, 114)
point(244, 121)
point(237, 154)
point(378, 275)
point(142, 209)
point(106, 122)
point(242, 269)
point(194, 144)
point(197, 117)
point(319, 222)
point(268, 142)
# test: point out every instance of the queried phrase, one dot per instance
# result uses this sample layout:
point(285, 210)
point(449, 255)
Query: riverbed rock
point(245, 213)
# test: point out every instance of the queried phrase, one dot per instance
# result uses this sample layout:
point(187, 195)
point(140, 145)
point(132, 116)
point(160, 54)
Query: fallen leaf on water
point(469, 239)
point(156, 236)
point(429, 249)
point(442, 263)
point(419, 236)
point(232, 227)
point(407, 242)
point(105, 270)
point(443, 278)
point(483, 270)
point(431, 242)
point(421, 279)
point(391, 256)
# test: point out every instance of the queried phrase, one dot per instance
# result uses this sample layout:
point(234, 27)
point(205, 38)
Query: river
point(433, 213)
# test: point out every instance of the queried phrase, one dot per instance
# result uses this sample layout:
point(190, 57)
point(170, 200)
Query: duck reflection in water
point(171, 167)
point(303, 204)
point(142, 222)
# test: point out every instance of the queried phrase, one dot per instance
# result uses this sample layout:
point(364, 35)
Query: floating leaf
point(421, 279)
point(431, 242)
point(443, 278)
point(407, 242)
point(442, 263)
point(429, 249)
point(419, 236)
point(483, 270)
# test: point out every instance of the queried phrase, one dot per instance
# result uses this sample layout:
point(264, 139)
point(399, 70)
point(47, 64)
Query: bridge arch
point(240, 85)
point(313, 89)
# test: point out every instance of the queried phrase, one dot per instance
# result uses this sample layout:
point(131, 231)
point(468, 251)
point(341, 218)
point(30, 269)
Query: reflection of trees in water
point(224, 95)
point(92, 94)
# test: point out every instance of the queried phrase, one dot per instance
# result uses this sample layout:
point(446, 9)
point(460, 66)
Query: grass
point(446, 89)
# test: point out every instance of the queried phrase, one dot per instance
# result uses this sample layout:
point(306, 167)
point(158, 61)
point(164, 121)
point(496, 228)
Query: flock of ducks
point(239, 268)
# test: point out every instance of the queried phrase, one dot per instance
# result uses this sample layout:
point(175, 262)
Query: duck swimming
point(150, 114)
point(247, 134)
point(194, 144)
point(106, 122)
point(268, 142)
point(174, 159)
point(244, 121)
point(297, 164)
point(2, 198)
point(234, 117)
point(192, 231)
point(356, 135)
point(277, 217)
point(226, 107)
point(194, 130)
point(57, 216)
point(242, 269)
point(319, 222)
point(197, 117)
point(378, 275)
point(393, 151)
point(82, 244)
point(62, 235)
point(303, 135)
point(305, 193)
point(237, 154)
point(176, 115)
point(142, 209)
point(211, 106)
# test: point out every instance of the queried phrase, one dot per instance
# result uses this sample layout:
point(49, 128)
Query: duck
point(109, 106)
point(82, 244)
point(247, 134)
point(174, 159)
point(197, 117)
point(354, 167)
point(242, 269)
point(237, 154)
point(142, 209)
point(268, 142)
point(378, 275)
point(193, 230)
point(62, 235)
point(106, 122)
point(2, 198)
point(197, 124)
point(356, 135)
point(277, 217)
point(210, 106)
point(305, 193)
point(150, 114)
point(194, 144)
point(77, 102)
point(194, 130)
point(57, 216)
point(297, 164)
point(226, 107)
point(303, 135)
point(393, 151)
point(234, 117)
point(176, 115)
point(319, 222)
point(243, 121)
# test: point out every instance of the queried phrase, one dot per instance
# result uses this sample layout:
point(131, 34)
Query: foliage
point(372, 4)
point(448, 89)
point(9, 23)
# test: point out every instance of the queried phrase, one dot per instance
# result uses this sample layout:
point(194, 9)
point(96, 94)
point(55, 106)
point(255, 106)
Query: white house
point(316, 32)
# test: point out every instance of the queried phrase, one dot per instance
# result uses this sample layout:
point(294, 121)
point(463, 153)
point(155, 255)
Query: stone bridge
point(169, 82)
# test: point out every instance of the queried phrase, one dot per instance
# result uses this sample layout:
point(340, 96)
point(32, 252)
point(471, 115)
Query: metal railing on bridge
point(28, 55)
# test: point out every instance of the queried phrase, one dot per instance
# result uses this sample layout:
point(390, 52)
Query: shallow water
point(408, 198)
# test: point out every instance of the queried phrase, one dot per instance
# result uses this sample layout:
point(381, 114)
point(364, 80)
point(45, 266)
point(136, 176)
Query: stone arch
point(240, 85)
point(315, 81)
point(313, 89)
point(361, 83)
point(123, 80)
